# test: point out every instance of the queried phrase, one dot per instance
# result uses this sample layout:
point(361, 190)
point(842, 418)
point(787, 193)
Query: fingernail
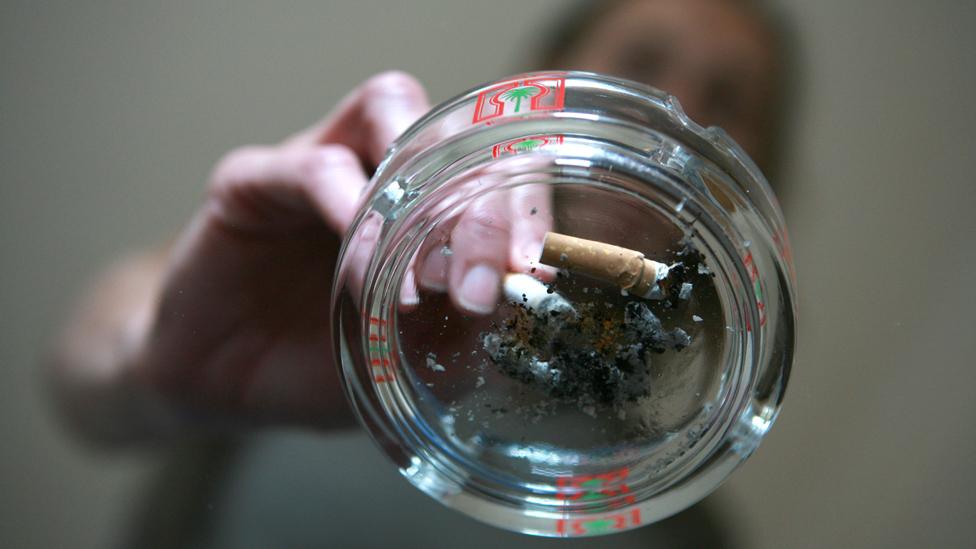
point(433, 273)
point(479, 289)
point(408, 293)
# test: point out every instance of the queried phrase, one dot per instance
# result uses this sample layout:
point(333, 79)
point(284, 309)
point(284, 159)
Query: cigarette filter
point(627, 269)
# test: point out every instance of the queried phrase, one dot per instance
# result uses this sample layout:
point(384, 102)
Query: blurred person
point(228, 329)
point(727, 61)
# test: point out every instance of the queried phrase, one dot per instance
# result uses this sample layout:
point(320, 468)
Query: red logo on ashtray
point(595, 487)
point(602, 486)
point(379, 351)
point(598, 524)
point(750, 264)
point(524, 144)
point(538, 93)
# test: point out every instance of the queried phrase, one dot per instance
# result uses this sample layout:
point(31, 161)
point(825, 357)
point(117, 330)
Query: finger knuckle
point(334, 154)
point(312, 164)
point(393, 83)
point(308, 165)
point(233, 164)
point(483, 226)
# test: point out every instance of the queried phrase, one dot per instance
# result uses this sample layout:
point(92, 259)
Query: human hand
point(232, 326)
point(241, 333)
point(469, 254)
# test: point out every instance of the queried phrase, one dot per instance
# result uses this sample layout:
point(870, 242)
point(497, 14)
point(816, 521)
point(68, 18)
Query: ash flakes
point(590, 359)
point(602, 353)
point(433, 364)
point(677, 286)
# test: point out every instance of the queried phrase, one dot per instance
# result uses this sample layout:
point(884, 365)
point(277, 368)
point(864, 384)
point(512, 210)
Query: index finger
point(371, 116)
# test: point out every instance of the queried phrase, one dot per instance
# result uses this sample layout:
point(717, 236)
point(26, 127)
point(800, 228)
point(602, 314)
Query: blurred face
point(713, 55)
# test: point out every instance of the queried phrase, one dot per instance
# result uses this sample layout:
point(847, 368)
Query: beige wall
point(113, 112)
point(877, 441)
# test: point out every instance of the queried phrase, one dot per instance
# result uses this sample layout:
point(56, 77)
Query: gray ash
point(677, 285)
point(588, 355)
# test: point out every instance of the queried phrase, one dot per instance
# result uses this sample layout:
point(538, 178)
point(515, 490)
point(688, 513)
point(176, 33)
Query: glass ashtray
point(635, 354)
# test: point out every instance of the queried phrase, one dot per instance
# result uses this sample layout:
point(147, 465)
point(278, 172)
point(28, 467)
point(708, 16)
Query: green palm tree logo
point(528, 144)
point(518, 94)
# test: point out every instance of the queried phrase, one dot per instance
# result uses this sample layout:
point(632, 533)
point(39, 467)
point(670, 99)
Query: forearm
point(92, 370)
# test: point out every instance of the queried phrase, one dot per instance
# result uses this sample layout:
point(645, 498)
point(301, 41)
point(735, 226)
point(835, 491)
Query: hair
point(581, 18)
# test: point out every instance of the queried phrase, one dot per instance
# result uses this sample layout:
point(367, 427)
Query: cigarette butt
point(627, 269)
